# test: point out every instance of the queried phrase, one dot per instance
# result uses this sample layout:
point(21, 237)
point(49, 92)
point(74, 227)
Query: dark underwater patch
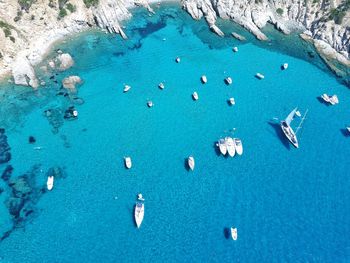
point(5, 155)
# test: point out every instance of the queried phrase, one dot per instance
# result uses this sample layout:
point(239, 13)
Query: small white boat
point(75, 113)
point(177, 60)
point(325, 97)
point(333, 99)
point(232, 101)
point(297, 113)
point(259, 76)
point(128, 163)
point(195, 96)
point(49, 182)
point(285, 66)
point(149, 104)
point(190, 162)
point(235, 49)
point(204, 79)
point(222, 146)
point(234, 233)
point(348, 129)
point(161, 85)
point(126, 88)
point(140, 197)
point(238, 146)
point(228, 81)
point(139, 213)
point(230, 145)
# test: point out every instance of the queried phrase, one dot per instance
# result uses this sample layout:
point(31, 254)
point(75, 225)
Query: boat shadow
point(216, 149)
point(279, 133)
point(322, 101)
point(227, 233)
point(345, 132)
point(187, 167)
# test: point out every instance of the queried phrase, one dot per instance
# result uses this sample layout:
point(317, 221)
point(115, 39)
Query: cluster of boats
point(230, 146)
point(330, 99)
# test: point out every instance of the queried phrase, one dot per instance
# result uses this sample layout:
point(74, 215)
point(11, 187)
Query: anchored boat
point(195, 96)
point(49, 182)
point(128, 163)
point(190, 162)
point(230, 145)
point(222, 146)
point(287, 129)
point(234, 233)
point(238, 146)
point(139, 211)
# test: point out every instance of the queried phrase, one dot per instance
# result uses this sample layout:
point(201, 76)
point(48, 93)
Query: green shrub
point(62, 13)
point(25, 4)
point(71, 8)
point(12, 39)
point(279, 11)
point(89, 3)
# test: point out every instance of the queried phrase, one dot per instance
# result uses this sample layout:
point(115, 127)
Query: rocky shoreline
point(24, 43)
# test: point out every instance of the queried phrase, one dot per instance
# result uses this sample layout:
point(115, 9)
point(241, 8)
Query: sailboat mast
point(301, 122)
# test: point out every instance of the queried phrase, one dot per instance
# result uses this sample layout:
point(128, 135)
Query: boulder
point(70, 82)
point(23, 72)
point(65, 61)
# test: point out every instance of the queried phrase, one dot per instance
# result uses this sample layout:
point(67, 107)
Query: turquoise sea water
point(289, 205)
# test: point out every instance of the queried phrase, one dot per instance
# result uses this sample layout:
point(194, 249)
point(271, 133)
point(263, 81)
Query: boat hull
point(230, 145)
point(139, 214)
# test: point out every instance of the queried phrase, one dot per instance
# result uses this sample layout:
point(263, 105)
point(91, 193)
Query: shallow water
point(289, 205)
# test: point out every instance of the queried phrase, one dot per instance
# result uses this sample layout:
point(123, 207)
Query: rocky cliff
point(29, 27)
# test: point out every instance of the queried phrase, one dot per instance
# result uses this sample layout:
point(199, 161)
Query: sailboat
point(287, 129)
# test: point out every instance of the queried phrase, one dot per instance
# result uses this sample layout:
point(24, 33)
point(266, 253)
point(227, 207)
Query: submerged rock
point(55, 118)
point(71, 82)
point(5, 155)
point(6, 175)
point(31, 139)
point(65, 61)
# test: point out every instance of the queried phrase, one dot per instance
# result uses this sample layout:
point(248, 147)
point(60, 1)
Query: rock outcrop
point(70, 82)
point(65, 61)
point(327, 22)
point(27, 32)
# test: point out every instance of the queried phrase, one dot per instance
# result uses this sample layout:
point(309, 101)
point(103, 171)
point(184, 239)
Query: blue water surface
point(289, 205)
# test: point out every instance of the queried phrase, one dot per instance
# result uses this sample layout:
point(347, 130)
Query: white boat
point(325, 97)
point(126, 88)
point(231, 101)
point(235, 49)
point(190, 162)
point(149, 104)
point(128, 163)
point(75, 113)
point(333, 99)
point(228, 81)
point(348, 129)
point(222, 146)
point(49, 182)
point(161, 85)
point(234, 233)
point(285, 66)
point(238, 146)
point(177, 60)
point(260, 76)
point(230, 145)
point(288, 131)
point(195, 96)
point(139, 213)
point(204, 79)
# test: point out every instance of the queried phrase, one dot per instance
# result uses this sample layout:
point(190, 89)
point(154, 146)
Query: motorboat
point(234, 233)
point(259, 76)
point(126, 88)
point(238, 146)
point(204, 79)
point(222, 146)
point(231, 101)
point(161, 85)
point(195, 96)
point(139, 213)
point(75, 113)
point(230, 145)
point(128, 163)
point(235, 49)
point(177, 60)
point(49, 182)
point(190, 162)
point(228, 80)
point(149, 104)
point(348, 129)
point(285, 66)
point(325, 97)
